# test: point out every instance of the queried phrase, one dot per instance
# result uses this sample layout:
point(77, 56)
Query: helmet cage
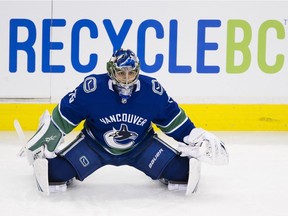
point(123, 68)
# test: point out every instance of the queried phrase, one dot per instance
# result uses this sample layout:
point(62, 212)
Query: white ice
point(255, 183)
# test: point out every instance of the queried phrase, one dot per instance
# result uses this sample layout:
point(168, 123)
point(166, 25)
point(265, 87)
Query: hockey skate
point(55, 187)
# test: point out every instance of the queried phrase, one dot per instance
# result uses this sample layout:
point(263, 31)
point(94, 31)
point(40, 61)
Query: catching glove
point(205, 147)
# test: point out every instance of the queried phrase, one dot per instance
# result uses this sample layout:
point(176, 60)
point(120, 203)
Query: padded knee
point(60, 170)
point(177, 170)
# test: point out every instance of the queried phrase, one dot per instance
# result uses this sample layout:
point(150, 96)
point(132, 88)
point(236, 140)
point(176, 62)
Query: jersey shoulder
point(150, 84)
point(93, 82)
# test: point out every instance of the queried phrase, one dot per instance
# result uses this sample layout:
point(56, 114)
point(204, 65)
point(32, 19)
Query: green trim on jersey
point(178, 120)
point(63, 124)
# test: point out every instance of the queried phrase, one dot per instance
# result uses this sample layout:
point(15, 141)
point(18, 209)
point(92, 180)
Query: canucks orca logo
point(120, 139)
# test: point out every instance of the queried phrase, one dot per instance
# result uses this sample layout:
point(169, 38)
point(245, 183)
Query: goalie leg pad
point(41, 175)
point(42, 180)
point(194, 176)
point(189, 186)
point(177, 170)
point(60, 170)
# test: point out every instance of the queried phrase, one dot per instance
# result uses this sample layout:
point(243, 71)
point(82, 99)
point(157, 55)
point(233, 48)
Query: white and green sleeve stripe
point(63, 123)
point(175, 123)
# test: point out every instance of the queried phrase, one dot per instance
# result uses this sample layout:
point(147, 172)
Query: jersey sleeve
point(72, 109)
point(172, 119)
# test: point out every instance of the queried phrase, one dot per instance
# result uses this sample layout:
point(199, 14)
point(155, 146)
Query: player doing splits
point(118, 109)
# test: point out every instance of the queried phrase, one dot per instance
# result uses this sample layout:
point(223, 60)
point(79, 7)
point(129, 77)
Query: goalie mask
point(123, 69)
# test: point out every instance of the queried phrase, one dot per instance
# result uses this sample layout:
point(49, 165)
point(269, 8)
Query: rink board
point(218, 117)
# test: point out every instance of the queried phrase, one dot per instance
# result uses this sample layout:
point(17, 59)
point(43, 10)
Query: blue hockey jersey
point(115, 125)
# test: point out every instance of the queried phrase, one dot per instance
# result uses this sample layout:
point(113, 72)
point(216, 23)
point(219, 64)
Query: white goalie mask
point(123, 69)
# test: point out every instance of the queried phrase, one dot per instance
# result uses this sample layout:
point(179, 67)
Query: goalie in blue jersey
point(118, 109)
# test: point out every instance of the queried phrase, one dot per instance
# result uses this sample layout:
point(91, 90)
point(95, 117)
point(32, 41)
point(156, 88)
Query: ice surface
point(255, 183)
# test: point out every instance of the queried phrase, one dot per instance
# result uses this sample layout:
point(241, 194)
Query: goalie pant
point(152, 156)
